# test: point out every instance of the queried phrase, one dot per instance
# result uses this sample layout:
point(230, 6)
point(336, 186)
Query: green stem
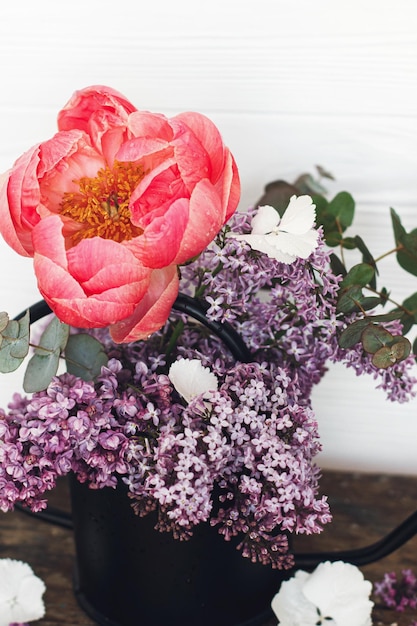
point(397, 249)
point(176, 333)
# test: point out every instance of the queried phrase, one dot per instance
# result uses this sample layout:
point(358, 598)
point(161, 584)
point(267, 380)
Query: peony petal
point(101, 112)
point(155, 193)
point(206, 217)
point(96, 283)
point(230, 186)
point(19, 200)
point(84, 103)
point(206, 134)
point(153, 310)
point(160, 242)
point(142, 149)
point(49, 242)
point(101, 264)
point(147, 124)
point(65, 159)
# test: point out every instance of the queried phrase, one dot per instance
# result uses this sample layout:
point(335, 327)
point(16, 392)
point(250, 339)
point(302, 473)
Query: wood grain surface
point(365, 508)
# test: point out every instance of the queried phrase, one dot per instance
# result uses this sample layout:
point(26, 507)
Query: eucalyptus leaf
point(54, 337)
point(407, 255)
point(342, 207)
point(4, 320)
point(306, 184)
point(349, 243)
point(40, 370)
point(337, 266)
point(324, 173)
point(43, 365)
point(85, 356)
point(374, 337)
point(15, 344)
point(367, 258)
point(409, 316)
point(399, 230)
point(349, 299)
point(370, 302)
point(360, 274)
point(390, 354)
point(333, 238)
point(383, 358)
point(277, 194)
point(352, 334)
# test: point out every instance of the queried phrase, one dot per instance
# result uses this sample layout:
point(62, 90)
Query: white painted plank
point(290, 83)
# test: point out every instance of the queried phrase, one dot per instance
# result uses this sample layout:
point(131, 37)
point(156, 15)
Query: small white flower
point(335, 593)
point(20, 593)
point(191, 379)
point(284, 238)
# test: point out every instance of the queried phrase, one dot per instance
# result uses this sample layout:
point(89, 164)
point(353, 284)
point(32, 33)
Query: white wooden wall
point(290, 83)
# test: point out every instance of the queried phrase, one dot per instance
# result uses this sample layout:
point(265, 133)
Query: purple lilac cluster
point(286, 312)
point(398, 593)
point(241, 459)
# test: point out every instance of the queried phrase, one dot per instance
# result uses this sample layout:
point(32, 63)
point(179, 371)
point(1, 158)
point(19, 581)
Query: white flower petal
point(20, 593)
point(265, 221)
point(268, 245)
point(299, 216)
point(300, 246)
point(284, 239)
point(340, 591)
point(191, 379)
point(290, 604)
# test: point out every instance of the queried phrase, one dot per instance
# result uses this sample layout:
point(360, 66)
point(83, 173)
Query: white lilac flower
point(191, 379)
point(20, 593)
point(335, 593)
point(284, 238)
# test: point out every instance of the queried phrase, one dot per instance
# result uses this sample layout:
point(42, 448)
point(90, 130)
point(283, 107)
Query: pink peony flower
point(112, 204)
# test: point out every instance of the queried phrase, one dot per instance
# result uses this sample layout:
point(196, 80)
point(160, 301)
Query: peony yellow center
point(101, 206)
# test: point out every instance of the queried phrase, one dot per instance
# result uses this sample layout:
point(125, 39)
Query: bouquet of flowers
point(131, 221)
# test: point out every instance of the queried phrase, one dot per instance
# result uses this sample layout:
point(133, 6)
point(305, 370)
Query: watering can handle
point(197, 309)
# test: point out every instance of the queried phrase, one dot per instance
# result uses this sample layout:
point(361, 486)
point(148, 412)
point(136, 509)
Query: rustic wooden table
point(365, 508)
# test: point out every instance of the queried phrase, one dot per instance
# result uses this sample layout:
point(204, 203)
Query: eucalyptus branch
point(393, 251)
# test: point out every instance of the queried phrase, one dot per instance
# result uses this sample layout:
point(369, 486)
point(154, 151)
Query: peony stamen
point(101, 206)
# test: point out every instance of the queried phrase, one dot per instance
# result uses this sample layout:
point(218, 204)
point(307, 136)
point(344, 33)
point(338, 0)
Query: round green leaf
point(15, 344)
point(54, 337)
point(383, 358)
point(4, 320)
point(374, 337)
point(388, 355)
point(342, 207)
point(40, 371)
point(349, 299)
point(360, 274)
point(85, 356)
point(352, 334)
